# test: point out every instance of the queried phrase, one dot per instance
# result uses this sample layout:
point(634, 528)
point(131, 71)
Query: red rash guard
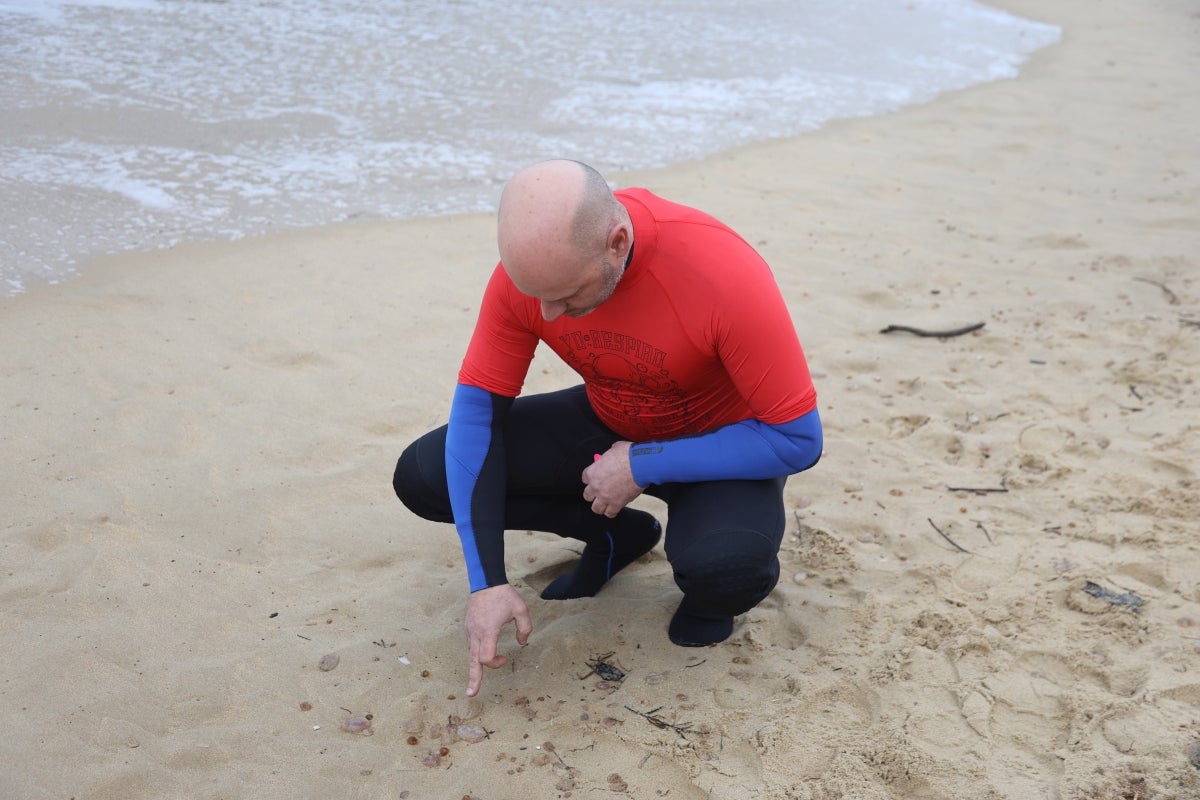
point(695, 337)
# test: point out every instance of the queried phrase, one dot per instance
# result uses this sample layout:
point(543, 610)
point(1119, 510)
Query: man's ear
point(620, 238)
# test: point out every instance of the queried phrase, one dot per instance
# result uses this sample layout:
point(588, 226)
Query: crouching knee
point(421, 485)
point(730, 583)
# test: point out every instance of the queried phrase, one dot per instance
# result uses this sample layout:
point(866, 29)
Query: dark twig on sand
point(548, 747)
point(977, 490)
point(659, 722)
point(1171, 298)
point(937, 334)
point(953, 543)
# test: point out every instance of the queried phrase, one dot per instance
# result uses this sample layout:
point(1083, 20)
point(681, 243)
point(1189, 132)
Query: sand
point(198, 445)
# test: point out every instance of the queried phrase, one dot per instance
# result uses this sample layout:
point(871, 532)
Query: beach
point(991, 580)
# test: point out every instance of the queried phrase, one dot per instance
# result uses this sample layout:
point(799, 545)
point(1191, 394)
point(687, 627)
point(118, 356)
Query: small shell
point(357, 724)
point(328, 661)
point(432, 759)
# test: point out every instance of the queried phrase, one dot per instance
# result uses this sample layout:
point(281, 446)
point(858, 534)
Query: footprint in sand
point(282, 354)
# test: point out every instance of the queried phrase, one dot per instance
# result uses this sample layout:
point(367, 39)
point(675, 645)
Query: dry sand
point(198, 447)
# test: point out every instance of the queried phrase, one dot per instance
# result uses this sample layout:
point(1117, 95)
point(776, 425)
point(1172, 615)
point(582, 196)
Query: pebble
point(800, 577)
point(329, 661)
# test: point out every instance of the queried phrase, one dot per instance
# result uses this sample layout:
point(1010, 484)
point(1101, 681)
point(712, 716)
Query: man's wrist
point(641, 461)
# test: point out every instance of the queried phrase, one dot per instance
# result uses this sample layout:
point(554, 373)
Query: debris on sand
point(1127, 599)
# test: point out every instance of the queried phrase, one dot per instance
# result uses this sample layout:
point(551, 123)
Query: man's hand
point(488, 611)
point(609, 484)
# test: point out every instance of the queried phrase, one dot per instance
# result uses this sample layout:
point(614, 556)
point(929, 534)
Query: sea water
point(139, 124)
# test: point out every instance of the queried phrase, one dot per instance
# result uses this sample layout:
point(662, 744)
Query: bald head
point(558, 225)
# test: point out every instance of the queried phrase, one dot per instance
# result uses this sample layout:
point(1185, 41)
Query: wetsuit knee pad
point(729, 580)
point(418, 490)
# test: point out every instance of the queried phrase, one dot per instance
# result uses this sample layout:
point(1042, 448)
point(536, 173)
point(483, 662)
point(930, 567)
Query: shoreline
point(199, 455)
point(159, 223)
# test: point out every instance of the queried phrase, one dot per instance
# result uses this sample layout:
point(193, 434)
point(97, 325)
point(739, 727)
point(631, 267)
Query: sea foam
point(142, 123)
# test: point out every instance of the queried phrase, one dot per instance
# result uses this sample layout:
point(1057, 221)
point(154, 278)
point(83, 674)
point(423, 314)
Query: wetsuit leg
point(723, 542)
point(551, 439)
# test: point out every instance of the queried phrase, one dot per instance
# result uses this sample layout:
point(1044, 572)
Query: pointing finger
point(475, 676)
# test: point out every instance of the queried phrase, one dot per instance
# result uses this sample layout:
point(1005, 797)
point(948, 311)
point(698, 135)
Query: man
point(695, 390)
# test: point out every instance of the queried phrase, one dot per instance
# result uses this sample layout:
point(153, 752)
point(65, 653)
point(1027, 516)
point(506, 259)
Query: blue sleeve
point(476, 475)
point(747, 450)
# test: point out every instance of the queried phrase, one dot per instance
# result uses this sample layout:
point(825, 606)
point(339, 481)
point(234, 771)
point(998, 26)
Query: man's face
point(584, 295)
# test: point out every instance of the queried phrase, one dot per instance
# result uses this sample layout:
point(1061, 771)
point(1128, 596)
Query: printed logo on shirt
point(628, 380)
point(619, 342)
